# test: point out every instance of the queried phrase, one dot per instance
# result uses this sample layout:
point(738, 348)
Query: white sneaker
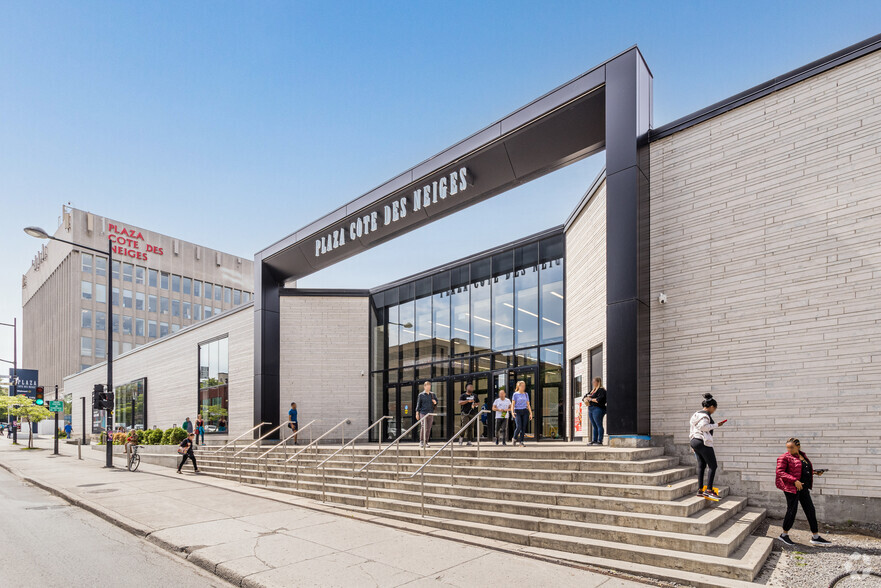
point(421, 445)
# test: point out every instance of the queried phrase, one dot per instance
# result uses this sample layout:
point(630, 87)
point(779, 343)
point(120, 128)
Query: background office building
point(160, 285)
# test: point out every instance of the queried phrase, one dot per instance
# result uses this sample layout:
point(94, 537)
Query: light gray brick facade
point(766, 238)
point(324, 361)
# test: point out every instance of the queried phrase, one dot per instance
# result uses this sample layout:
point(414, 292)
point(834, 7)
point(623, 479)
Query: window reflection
point(213, 385)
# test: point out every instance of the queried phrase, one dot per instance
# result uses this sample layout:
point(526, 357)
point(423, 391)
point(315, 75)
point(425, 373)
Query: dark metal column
point(628, 119)
point(266, 347)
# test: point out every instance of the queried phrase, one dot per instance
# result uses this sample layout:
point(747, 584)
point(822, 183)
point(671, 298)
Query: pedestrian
point(701, 440)
point(502, 410)
point(200, 429)
point(795, 476)
point(188, 425)
point(130, 441)
point(425, 405)
point(522, 412)
point(292, 421)
point(596, 411)
point(68, 429)
point(484, 417)
point(186, 449)
point(468, 403)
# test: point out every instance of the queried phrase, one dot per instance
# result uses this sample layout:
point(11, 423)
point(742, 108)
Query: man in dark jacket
point(425, 405)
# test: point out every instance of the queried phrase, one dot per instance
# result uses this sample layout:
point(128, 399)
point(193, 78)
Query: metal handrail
point(258, 439)
point(421, 469)
point(396, 443)
point(285, 440)
point(323, 435)
point(390, 445)
point(335, 453)
point(228, 443)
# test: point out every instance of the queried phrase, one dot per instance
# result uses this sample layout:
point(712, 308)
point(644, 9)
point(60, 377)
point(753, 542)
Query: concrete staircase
point(616, 507)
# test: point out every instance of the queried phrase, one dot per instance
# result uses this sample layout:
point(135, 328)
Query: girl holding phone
point(701, 440)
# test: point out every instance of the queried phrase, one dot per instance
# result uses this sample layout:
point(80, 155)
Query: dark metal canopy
point(563, 126)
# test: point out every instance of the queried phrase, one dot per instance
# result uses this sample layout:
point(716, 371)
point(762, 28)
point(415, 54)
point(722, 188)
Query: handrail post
point(423, 493)
point(398, 459)
point(323, 485)
point(353, 457)
point(367, 489)
point(452, 483)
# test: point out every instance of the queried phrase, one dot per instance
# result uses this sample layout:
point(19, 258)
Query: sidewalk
point(255, 538)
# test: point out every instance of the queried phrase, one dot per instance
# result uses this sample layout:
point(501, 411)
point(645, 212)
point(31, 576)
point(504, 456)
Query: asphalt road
point(44, 541)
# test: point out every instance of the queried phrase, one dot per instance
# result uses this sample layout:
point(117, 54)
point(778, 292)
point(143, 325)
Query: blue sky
point(233, 124)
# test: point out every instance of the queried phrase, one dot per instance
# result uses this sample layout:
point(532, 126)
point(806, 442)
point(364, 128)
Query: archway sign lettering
point(608, 108)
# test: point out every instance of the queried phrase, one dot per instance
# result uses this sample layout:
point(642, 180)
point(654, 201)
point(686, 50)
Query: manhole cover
point(102, 490)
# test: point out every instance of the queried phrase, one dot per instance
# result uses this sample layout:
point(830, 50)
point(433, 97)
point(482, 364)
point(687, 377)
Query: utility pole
point(56, 422)
point(13, 385)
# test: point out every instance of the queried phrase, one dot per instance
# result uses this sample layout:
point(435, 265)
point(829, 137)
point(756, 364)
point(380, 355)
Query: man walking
point(292, 421)
point(425, 404)
point(186, 449)
point(468, 403)
point(68, 429)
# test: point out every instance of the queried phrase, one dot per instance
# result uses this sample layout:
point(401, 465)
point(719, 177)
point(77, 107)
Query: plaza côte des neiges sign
point(130, 242)
point(447, 186)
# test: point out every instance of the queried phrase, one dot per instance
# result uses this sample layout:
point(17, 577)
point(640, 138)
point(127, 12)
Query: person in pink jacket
point(795, 476)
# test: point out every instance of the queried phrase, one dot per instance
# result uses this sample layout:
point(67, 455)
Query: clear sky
point(232, 124)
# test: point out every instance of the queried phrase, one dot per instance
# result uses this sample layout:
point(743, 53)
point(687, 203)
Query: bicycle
point(136, 459)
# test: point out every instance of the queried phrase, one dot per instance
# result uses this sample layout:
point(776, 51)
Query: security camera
point(662, 298)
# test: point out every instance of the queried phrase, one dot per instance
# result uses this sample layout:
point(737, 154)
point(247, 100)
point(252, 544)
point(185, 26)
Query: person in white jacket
point(701, 439)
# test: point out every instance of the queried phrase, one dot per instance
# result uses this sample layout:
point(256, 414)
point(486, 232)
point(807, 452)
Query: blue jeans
point(200, 432)
point(521, 420)
point(596, 415)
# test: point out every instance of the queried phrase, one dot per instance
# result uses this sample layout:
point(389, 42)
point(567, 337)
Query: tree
point(22, 407)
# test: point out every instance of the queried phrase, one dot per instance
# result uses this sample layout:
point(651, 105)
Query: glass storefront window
point(553, 397)
point(213, 385)
point(423, 328)
point(552, 301)
point(394, 331)
point(440, 310)
point(130, 405)
point(526, 307)
point(481, 324)
point(407, 333)
point(461, 323)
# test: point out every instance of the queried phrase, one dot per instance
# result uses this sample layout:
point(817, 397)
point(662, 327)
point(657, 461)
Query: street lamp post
point(14, 386)
point(41, 234)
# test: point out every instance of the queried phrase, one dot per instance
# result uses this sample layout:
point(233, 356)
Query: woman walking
point(522, 412)
point(795, 476)
point(701, 439)
point(596, 411)
point(200, 429)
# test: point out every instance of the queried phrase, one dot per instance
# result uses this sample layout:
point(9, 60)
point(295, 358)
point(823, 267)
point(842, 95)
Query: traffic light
point(39, 397)
point(97, 391)
point(106, 400)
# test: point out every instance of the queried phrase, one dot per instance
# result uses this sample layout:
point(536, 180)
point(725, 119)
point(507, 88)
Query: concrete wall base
point(630, 441)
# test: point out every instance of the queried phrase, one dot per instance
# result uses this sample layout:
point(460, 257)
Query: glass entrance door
point(399, 406)
point(529, 375)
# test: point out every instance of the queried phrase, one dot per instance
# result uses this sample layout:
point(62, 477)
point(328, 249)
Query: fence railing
point(337, 452)
point(397, 444)
point(314, 446)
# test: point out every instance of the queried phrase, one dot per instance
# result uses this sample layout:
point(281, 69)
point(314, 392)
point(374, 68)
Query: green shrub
point(152, 437)
point(173, 436)
point(119, 438)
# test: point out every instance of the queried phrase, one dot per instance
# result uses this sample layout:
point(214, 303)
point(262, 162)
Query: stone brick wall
point(171, 366)
point(324, 361)
point(766, 238)
point(586, 281)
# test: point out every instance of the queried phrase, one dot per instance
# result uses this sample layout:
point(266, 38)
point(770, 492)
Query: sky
point(233, 124)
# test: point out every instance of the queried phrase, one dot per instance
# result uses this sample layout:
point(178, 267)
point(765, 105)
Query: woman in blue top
point(522, 410)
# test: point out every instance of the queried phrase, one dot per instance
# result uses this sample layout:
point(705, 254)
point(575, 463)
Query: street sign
point(56, 405)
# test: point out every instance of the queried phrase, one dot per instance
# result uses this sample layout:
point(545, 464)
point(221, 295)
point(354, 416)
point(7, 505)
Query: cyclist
point(130, 441)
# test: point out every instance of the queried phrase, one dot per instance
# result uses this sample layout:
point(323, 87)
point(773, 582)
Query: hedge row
point(171, 436)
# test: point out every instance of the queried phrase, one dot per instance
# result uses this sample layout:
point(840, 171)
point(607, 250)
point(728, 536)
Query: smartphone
point(723, 422)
